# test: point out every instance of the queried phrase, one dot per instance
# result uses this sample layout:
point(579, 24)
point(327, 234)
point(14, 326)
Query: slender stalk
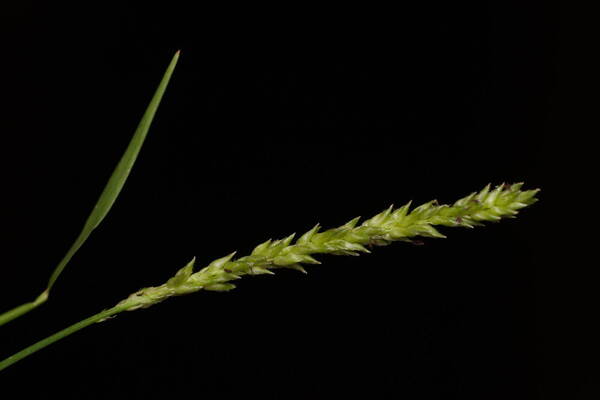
point(61, 334)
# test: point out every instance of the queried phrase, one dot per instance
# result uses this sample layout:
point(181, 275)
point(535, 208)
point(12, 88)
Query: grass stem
point(61, 334)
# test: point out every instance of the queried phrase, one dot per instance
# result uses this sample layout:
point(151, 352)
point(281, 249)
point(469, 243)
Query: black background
point(275, 120)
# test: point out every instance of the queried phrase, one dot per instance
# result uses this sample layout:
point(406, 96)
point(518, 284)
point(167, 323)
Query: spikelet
point(390, 225)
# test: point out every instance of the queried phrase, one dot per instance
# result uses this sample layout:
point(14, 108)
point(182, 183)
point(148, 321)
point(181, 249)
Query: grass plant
point(391, 225)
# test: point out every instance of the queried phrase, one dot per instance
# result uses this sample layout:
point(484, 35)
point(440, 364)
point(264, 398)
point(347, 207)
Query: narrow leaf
point(107, 197)
point(121, 173)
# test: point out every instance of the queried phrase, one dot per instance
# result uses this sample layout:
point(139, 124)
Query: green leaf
point(119, 176)
point(107, 197)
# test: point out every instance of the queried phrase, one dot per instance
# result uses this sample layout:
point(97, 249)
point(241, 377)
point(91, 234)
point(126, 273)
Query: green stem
point(61, 334)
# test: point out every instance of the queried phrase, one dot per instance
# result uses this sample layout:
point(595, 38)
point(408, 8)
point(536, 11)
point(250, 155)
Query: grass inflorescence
point(400, 224)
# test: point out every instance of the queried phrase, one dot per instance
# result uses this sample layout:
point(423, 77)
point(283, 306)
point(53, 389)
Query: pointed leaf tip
point(120, 174)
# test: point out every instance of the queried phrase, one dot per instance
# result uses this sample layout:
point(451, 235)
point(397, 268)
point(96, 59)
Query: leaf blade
point(107, 197)
point(120, 174)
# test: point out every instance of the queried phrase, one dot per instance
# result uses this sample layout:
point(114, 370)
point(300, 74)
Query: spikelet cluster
point(401, 224)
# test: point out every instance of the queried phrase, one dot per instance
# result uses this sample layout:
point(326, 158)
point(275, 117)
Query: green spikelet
point(390, 225)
